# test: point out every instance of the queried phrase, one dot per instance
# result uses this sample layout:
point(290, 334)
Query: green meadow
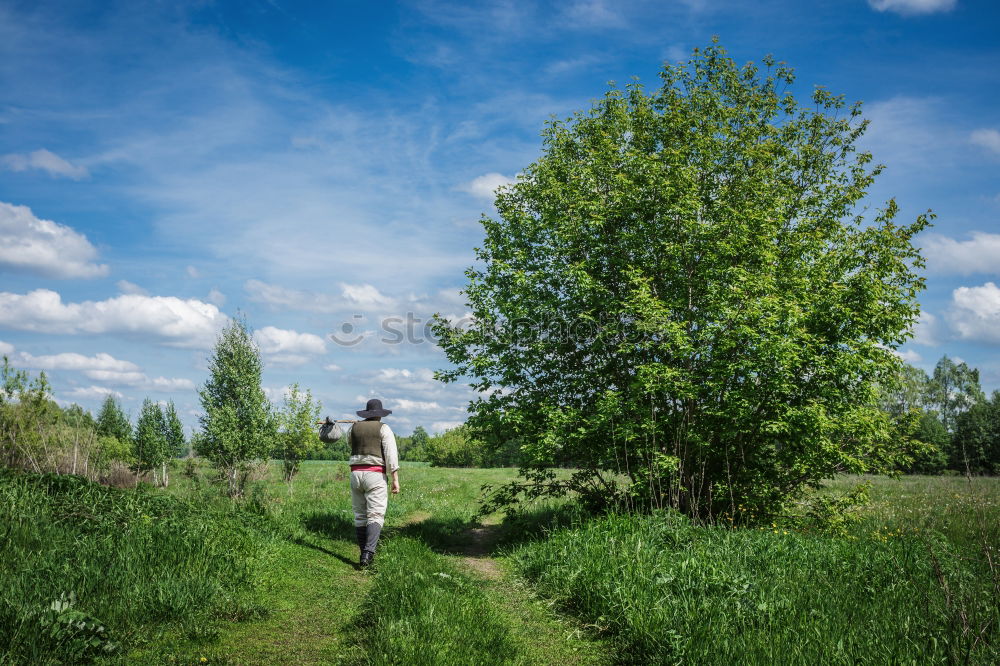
point(184, 575)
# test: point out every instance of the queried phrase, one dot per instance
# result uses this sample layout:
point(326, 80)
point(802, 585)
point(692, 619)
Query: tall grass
point(895, 590)
point(422, 610)
point(90, 571)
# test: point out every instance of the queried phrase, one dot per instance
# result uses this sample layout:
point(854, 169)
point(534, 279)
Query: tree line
point(947, 419)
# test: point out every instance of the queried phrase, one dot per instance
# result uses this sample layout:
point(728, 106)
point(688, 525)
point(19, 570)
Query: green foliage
point(679, 294)
point(298, 429)
point(151, 446)
point(833, 514)
point(173, 431)
point(424, 611)
point(414, 447)
point(238, 427)
point(953, 389)
point(89, 569)
point(667, 592)
point(112, 422)
point(37, 434)
point(455, 448)
point(976, 445)
point(933, 457)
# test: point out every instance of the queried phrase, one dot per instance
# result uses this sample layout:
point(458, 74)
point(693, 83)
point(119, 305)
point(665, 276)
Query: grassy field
point(183, 576)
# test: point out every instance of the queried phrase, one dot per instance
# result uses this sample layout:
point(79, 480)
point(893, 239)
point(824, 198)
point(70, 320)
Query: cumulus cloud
point(908, 7)
point(987, 138)
point(977, 255)
point(44, 247)
point(101, 367)
point(176, 322)
point(365, 296)
point(975, 313)
point(485, 186)
point(273, 340)
point(6, 348)
point(43, 160)
point(332, 367)
point(100, 362)
point(91, 392)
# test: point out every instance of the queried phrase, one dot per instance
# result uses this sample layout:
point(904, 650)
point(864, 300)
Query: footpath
point(319, 597)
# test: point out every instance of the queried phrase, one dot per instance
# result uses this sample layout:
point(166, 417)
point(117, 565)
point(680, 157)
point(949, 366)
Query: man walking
point(373, 453)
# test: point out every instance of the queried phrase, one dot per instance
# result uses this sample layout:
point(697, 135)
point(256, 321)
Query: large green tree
point(238, 425)
point(681, 292)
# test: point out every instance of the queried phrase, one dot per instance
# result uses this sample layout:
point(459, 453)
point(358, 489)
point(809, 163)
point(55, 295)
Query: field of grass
point(183, 575)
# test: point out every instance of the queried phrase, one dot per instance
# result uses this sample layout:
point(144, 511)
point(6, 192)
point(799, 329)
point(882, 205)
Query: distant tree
point(298, 436)
point(174, 431)
point(953, 389)
point(151, 448)
point(456, 448)
point(932, 457)
point(76, 416)
point(238, 424)
point(682, 292)
point(976, 441)
point(414, 447)
point(911, 391)
point(112, 422)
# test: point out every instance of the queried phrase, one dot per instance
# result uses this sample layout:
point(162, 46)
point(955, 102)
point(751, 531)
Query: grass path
point(316, 597)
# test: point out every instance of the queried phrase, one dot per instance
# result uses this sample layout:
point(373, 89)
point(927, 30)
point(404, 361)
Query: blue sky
point(164, 166)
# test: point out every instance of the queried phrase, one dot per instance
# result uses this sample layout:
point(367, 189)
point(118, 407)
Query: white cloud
point(192, 272)
point(594, 14)
point(909, 355)
point(332, 367)
point(101, 367)
point(177, 322)
point(975, 313)
point(92, 392)
point(273, 340)
point(907, 7)
point(43, 160)
point(979, 254)
point(927, 330)
point(365, 296)
point(440, 426)
point(290, 299)
point(100, 362)
point(127, 287)
point(485, 186)
point(216, 297)
point(6, 348)
point(987, 138)
point(44, 247)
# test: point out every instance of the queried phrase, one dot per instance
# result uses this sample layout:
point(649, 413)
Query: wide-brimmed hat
point(373, 409)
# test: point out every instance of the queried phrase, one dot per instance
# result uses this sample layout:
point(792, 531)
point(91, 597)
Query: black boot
point(362, 534)
point(368, 550)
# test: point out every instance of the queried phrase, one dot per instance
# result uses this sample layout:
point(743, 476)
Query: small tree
point(681, 292)
point(953, 389)
point(173, 433)
point(112, 422)
point(237, 424)
point(298, 430)
point(151, 449)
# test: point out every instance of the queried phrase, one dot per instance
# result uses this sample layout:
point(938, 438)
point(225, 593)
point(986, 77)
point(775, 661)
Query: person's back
point(373, 453)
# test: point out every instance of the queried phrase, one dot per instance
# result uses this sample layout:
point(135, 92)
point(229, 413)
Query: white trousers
point(369, 497)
